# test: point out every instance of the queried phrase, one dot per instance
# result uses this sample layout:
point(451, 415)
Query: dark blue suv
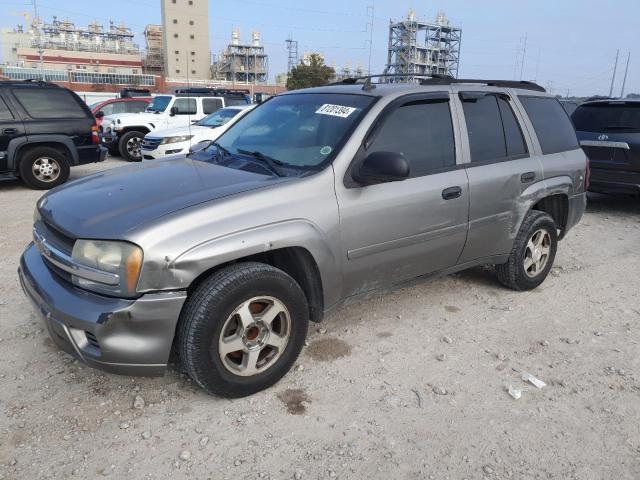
point(609, 133)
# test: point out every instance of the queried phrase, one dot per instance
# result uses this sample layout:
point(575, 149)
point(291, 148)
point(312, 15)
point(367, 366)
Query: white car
point(174, 141)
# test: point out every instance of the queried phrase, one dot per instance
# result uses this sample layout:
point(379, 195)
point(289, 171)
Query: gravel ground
point(411, 384)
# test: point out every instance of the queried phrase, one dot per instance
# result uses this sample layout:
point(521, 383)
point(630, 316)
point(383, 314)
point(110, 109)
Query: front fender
point(291, 233)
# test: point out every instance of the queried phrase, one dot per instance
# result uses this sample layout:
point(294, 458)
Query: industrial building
point(242, 62)
point(185, 26)
point(423, 48)
point(153, 61)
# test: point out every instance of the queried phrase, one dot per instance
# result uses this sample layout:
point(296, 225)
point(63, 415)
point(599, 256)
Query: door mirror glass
point(100, 114)
point(174, 111)
point(382, 167)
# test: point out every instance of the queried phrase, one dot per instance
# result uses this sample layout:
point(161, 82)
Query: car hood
point(178, 132)
point(108, 204)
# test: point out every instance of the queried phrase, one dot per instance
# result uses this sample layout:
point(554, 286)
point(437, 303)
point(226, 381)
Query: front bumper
point(165, 150)
point(124, 336)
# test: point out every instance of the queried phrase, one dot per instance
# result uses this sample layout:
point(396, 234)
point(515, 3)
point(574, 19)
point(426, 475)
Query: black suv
point(44, 130)
point(609, 133)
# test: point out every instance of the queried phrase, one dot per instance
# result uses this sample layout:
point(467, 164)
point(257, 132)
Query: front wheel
point(129, 146)
point(533, 253)
point(242, 329)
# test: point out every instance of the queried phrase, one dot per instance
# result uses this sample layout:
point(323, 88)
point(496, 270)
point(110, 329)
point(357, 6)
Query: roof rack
point(436, 79)
point(211, 91)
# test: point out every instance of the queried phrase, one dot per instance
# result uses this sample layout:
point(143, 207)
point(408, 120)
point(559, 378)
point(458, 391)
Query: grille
point(55, 236)
point(93, 341)
point(151, 143)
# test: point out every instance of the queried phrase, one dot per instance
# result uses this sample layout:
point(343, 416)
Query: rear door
point(10, 127)
point(501, 167)
point(399, 230)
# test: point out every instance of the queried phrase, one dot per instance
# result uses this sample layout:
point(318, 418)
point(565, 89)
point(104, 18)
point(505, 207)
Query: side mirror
point(382, 167)
point(99, 114)
point(174, 111)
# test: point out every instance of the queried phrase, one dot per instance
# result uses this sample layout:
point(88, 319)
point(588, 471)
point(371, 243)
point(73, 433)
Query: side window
point(210, 105)
point(49, 103)
point(422, 131)
point(135, 107)
point(516, 145)
point(234, 101)
point(107, 109)
point(5, 113)
point(119, 107)
point(484, 126)
point(186, 106)
point(553, 128)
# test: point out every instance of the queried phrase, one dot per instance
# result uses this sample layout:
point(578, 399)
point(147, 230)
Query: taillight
point(94, 135)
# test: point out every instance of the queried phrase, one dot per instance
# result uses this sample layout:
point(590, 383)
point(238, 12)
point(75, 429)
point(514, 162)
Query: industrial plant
point(242, 62)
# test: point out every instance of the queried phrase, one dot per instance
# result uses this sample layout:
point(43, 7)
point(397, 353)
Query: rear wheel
point(129, 146)
point(533, 253)
point(242, 329)
point(43, 168)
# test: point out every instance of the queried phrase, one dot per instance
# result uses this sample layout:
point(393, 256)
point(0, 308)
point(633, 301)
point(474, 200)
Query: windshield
point(296, 130)
point(607, 117)
point(159, 104)
point(218, 118)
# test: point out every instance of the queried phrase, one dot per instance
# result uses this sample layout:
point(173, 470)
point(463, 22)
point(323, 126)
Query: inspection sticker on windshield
point(335, 110)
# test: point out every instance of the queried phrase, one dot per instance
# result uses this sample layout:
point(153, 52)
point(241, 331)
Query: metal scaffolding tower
point(242, 63)
point(423, 48)
point(292, 48)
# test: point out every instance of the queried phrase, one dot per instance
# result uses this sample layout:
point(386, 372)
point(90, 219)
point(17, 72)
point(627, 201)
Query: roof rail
point(211, 91)
point(436, 79)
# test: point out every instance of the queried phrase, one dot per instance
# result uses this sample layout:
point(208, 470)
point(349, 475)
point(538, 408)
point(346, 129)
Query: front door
point(10, 128)
point(395, 231)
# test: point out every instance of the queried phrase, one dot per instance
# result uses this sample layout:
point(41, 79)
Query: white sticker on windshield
point(335, 110)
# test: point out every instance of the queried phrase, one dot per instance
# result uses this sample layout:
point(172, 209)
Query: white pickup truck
point(122, 133)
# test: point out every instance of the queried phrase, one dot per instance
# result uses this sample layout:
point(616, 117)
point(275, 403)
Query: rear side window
point(5, 113)
point(185, 106)
point(512, 132)
point(234, 101)
point(607, 117)
point(211, 105)
point(423, 132)
point(484, 127)
point(135, 107)
point(49, 103)
point(552, 125)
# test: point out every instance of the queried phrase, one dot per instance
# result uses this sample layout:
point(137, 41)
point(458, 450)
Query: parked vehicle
point(44, 130)
point(131, 92)
point(119, 105)
point(124, 132)
point(315, 197)
point(609, 133)
point(569, 106)
point(174, 141)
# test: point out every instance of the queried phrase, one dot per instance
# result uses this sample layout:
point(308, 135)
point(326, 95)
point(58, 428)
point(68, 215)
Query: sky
point(570, 44)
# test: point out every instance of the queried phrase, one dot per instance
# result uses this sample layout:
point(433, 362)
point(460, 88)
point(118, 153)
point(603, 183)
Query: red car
point(119, 105)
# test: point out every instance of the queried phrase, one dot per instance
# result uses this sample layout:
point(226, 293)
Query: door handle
point(10, 131)
point(528, 177)
point(451, 193)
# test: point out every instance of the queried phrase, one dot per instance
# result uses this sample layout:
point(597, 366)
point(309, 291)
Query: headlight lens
point(120, 258)
point(181, 138)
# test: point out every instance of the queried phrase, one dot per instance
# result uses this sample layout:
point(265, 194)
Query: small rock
point(544, 343)
point(105, 472)
point(597, 333)
point(441, 357)
point(204, 441)
point(138, 402)
point(448, 340)
point(146, 435)
point(487, 469)
point(185, 455)
point(332, 474)
point(237, 463)
point(322, 331)
point(300, 368)
point(500, 356)
point(297, 475)
point(124, 425)
point(439, 391)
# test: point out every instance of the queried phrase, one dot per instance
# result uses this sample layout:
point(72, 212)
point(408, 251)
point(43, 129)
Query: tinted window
point(135, 107)
point(49, 103)
point(422, 132)
point(210, 105)
point(112, 108)
point(607, 117)
point(234, 101)
point(484, 126)
point(552, 125)
point(159, 104)
point(185, 106)
point(512, 132)
point(5, 113)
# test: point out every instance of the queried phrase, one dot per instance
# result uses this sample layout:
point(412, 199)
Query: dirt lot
point(411, 384)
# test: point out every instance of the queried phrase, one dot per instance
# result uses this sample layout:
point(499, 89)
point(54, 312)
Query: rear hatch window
point(49, 103)
point(608, 117)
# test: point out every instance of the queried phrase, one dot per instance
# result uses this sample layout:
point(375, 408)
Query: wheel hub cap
point(46, 169)
point(255, 335)
point(537, 251)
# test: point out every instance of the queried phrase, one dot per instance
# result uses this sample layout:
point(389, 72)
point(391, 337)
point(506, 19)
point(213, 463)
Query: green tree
point(313, 73)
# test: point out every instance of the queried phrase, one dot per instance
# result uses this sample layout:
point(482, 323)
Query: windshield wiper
point(220, 148)
point(272, 163)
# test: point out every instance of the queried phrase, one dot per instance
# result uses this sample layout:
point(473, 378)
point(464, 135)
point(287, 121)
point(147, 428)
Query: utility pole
point(524, 52)
point(370, 12)
point(613, 78)
point(624, 80)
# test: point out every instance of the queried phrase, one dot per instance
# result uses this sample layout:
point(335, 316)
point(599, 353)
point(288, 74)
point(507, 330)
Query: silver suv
point(314, 197)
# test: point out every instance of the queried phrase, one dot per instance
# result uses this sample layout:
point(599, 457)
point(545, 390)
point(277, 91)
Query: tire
point(129, 146)
point(209, 317)
point(527, 268)
point(43, 168)
point(114, 152)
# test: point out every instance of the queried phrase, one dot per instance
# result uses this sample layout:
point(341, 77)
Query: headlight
point(122, 259)
point(181, 138)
